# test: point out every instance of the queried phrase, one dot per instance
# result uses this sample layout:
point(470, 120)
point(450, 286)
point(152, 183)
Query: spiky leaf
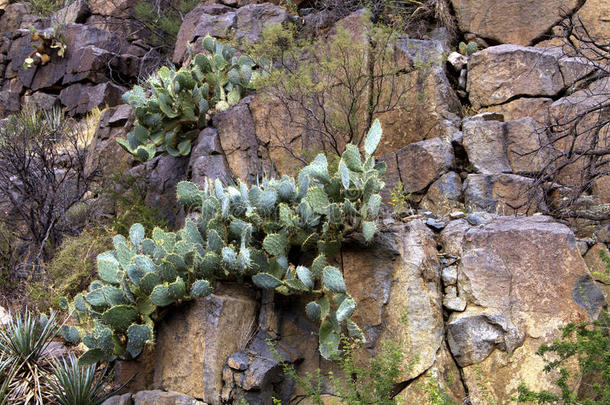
point(266, 281)
point(333, 279)
point(372, 138)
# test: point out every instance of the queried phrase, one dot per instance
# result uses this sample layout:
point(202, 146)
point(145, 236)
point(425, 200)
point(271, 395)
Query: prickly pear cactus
point(241, 233)
point(171, 106)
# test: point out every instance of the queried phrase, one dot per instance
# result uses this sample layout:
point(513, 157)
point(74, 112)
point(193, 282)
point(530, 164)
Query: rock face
point(420, 163)
point(516, 22)
point(523, 307)
point(500, 73)
point(194, 343)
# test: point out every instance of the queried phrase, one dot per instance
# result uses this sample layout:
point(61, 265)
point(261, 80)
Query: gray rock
point(588, 295)
point(457, 61)
point(157, 397)
point(472, 335)
point(449, 275)
point(479, 218)
point(456, 304)
point(435, 224)
point(207, 159)
point(485, 144)
point(502, 194)
point(238, 361)
point(254, 18)
point(82, 98)
point(124, 399)
point(484, 116)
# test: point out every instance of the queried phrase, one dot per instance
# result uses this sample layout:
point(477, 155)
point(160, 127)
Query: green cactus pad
point(120, 317)
point(266, 281)
point(275, 244)
point(372, 138)
point(368, 230)
point(305, 276)
point(346, 309)
point(201, 288)
point(352, 158)
point(318, 200)
point(136, 234)
point(108, 268)
point(333, 279)
point(161, 297)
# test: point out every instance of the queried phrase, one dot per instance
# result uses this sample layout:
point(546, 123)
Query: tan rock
point(529, 297)
point(114, 8)
point(515, 22)
point(423, 162)
point(5, 317)
point(500, 73)
point(596, 265)
point(536, 108)
point(452, 237)
point(414, 317)
point(595, 17)
point(237, 134)
point(193, 344)
point(163, 398)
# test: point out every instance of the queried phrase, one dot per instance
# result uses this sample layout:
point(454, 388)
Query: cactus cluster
point(240, 233)
point(172, 105)
point(467, 49)
point(44, 42)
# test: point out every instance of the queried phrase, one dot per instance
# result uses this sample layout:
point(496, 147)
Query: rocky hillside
point(496, 206)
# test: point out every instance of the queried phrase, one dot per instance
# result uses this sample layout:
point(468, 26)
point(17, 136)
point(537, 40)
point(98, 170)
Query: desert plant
point(42, 175)
point(172, 106)
point(162, 19)
point(376, 381)
point(45, 8)
point(22, 343)
point(72, 384)
point(242, 232)
point(467, 49)
point(589, 343)
point(47, 40)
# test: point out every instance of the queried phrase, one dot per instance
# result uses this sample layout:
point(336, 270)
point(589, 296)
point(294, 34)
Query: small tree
point(42, 175)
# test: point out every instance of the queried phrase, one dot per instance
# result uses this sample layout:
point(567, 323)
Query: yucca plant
point(22, 344)
point(72, 384)
point(7, 373)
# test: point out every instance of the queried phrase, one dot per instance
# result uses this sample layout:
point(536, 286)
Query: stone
point(216, 19)
point(435, 224)
point(501, 73)
point(254, 18)
point(158, 397)
point(207, 159)
point(76, 12)
point(456, 304)
point(473, 334)
point(10, 21)
point(163, 173)
point(104, 147)
point(5, 316)
point(193, 344)
point(423, 162)
point(484, 116)
point(40, 100)
point(598, 268)
point(430, 108)
point(527, 147)
point(603, 234)
point(445, 194)
point(484, 142)
point(449, 275)
point(124, 399)
point(515, 22)
point(414, 318)
point(601, 189)
point(534, 107)
point(574, 69)
point(82, 98)
point(589, 296)
point(452, 236)
point(594, 17)
point(237, 134)
point(114, 8)
point(503, 194)
point(238, 361)
point(522, 308)
point(457, 61)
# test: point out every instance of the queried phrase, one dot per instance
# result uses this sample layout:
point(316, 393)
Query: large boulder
point(516, 302)
point(503, 194)
point(511, 22)
point(237, 133)
point(82, 98)
point(207, 159)
point(421, 163)
point(501, 73)
point(485, 145)
point(193, 344)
